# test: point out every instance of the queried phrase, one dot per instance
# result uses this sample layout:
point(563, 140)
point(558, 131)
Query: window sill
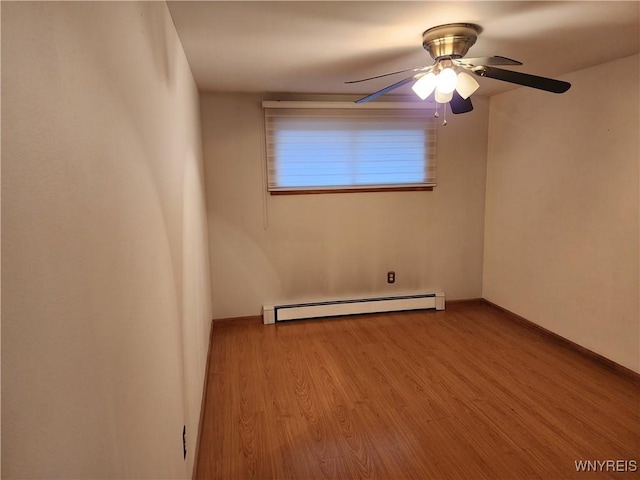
point(351, 190)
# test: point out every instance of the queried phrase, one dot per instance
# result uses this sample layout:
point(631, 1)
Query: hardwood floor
point(463, 393)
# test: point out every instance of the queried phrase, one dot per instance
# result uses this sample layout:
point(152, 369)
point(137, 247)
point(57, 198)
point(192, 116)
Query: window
point(338, 149)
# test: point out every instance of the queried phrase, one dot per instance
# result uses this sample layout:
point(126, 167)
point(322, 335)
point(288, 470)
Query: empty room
point(320, 240)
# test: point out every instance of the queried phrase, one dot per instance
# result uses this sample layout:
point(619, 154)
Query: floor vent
point(300, 311)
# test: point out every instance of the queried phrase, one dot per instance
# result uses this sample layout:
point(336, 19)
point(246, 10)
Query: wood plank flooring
point(464, 393)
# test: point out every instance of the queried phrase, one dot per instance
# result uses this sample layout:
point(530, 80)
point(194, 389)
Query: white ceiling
point(313, 47)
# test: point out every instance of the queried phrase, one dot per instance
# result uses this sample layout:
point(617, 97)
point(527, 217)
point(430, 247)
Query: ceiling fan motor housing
point(451, 40)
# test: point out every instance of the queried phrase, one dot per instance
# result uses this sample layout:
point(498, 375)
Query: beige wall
point(561, 232)
point(337, 245)
point(106, 297)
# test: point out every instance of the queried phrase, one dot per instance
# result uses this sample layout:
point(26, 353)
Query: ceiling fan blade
point(459, 104)
point(386, 89)
point(528, 80)
point(478, 61)
point(387, 74)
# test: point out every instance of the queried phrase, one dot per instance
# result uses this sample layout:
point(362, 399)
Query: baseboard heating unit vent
point(300, 311)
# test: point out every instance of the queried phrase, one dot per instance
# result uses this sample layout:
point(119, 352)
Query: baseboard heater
point(333, 308)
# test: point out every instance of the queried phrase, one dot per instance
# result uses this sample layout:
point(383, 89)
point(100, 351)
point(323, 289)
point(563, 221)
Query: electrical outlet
point(391, 277)
point(184, 442)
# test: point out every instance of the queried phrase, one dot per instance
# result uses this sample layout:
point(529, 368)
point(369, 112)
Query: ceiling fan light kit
point(466, 85)
point(449, 79)
point(425, 85)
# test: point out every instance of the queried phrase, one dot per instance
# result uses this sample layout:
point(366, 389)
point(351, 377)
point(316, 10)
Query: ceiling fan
point(449, 79)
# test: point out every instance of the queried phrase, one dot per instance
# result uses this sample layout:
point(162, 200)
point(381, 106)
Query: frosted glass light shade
point(443, 97)
point(447, 80)
point(425, 85)
point(466, 85)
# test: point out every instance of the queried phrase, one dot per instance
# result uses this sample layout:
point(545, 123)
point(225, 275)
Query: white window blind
point(349, 148)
